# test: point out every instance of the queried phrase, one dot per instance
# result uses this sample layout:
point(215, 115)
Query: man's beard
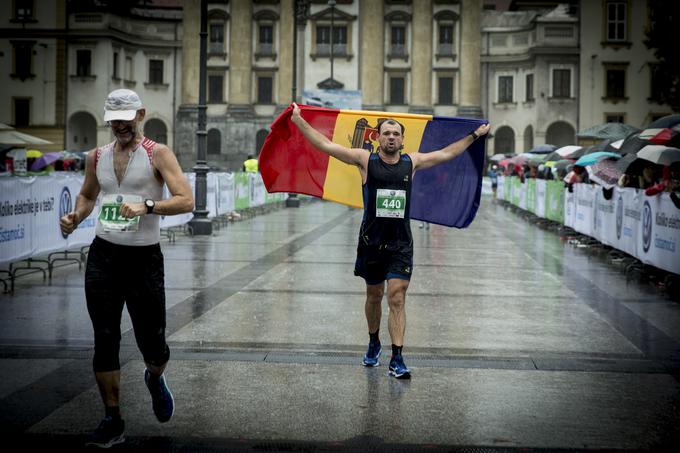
point(391, 151)
point(124, 140)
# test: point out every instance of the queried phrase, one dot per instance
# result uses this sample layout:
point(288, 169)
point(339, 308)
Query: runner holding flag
point(385, 250)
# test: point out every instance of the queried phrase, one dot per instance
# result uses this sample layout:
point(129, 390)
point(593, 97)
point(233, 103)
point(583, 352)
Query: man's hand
point(130, 210)
point(483, 129)
point(69, 223)
point(296, 113)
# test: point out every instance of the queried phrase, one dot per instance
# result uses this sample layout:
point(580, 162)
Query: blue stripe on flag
point(449, 194)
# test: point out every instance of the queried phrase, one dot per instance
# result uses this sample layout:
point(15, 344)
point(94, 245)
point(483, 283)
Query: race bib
point(109, 213)
point(390, 203)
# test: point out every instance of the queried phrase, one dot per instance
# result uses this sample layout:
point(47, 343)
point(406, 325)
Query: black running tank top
point(387, 200)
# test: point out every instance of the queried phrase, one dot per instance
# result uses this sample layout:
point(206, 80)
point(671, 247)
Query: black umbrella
point(554, 156)
point(632, 144)
point(666, 121)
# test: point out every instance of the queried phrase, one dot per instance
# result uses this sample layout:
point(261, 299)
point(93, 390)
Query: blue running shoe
point(373, 354)
point(163, 403)
point(398, 368)
point(109, 433)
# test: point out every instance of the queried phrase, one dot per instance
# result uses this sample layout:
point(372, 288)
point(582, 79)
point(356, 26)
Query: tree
point(664, 17)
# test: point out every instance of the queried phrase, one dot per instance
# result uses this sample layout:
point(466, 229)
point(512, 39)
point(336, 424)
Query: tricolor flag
point(447, 194)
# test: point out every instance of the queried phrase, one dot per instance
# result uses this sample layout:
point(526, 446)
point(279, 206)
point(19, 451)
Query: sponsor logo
point(646, 226)
point(119, 199)
point(619, 217)
point(65, 205)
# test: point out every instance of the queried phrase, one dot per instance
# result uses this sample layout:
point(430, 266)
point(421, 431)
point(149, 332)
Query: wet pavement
point(517, 341)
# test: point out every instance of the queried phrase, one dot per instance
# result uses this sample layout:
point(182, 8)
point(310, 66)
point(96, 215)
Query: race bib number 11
point(109, 213)
point(390, 203)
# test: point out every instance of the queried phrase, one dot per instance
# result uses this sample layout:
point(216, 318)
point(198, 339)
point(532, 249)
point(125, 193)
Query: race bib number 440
point(390, 203)
point(110, 216)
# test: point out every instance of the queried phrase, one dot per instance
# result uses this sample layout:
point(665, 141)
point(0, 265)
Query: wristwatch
point(150, 204)
point(474, 135)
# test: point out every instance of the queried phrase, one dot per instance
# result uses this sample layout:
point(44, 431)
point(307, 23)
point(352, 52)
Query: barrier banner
point(522, 194)
point(225, 193)
point(585, 200)
point(604, 219)
point(659, 233)
point(242, 191)
point(257, 189)
point(500, 190)
point(30, 208)
point(554, 201)
point(541, 185)
point(569, 208)
point(516, 189)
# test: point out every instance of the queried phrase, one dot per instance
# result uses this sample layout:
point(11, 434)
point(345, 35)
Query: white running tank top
point(139, 179)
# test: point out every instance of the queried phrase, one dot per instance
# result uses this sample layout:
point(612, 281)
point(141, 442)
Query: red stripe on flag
point(288, 162)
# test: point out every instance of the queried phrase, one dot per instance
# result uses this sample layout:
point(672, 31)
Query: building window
point(445, 39)
point(561, 86)
point(129, 69)
point(505, 89)
point(23, 9)
point(397, 85)
point(156, 72)
point(398, 41)
point(616, 20)
point(83, 62)
point(22, 112)
point(266, 36)
point(529, 88)
point(115, 65)
point(614, 117)
point(265, 87)
point(323, 40)
point(214, 141)
point(216, 38)
point(216, 89)
point(23, 59)
point(616, 83)
point(445, 91)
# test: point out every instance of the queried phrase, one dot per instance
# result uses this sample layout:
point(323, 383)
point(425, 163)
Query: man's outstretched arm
point(349, 156)
point(455, 149)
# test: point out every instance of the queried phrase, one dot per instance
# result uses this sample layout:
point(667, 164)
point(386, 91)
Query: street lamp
point(331, 3)
point(200, 224)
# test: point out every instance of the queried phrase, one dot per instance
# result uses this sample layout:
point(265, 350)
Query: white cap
point(121, 105)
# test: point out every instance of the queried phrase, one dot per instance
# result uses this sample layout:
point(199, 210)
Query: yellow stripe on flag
point(343, 182)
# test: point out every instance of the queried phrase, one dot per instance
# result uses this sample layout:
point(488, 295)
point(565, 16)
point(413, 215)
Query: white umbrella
point(617, 144)
point(662, 155)
point(567, 150)
point(11, 136)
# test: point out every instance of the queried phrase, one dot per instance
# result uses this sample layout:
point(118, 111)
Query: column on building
point(470, 88)
point(421, 63)
point(240, 57)
point(191, 24)
point(372, 58)
point(285, 72)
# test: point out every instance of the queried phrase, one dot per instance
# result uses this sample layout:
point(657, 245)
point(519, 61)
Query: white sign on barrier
point(225, 193)
point(540, 197)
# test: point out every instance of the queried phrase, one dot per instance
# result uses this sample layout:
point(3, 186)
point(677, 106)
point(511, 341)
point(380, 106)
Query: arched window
point(214, 141)
point(529, 137)
point(504, 140)
point(82, 132)
point(155, 130)
point(259, 140)
point(560, 134)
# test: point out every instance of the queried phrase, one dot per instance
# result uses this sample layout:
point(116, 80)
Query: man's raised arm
point(349, 156)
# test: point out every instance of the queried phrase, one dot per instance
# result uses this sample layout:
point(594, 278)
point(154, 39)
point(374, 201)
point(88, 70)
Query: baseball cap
point(121, 105)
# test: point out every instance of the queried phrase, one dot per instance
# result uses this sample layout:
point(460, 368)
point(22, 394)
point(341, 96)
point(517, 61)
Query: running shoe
point(109, 433)
point(398, 368)
point(163, 403)
point(373, 354)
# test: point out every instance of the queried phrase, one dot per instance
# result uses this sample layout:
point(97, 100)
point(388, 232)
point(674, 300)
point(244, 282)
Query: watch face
point(149, 203)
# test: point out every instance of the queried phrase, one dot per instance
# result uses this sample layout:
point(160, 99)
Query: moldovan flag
point(447, 194)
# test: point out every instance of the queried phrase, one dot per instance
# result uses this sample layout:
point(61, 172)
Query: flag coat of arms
point(447, 194)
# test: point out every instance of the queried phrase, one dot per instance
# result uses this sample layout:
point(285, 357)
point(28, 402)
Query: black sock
point(113, 412)
point(396, 350)
point(374, 336)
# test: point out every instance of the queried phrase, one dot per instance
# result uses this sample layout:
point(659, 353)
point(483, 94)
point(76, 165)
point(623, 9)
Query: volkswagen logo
point(646, 226)
point(65, 205)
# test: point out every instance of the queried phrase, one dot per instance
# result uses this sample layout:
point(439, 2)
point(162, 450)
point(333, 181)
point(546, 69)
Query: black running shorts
point(375, 264)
